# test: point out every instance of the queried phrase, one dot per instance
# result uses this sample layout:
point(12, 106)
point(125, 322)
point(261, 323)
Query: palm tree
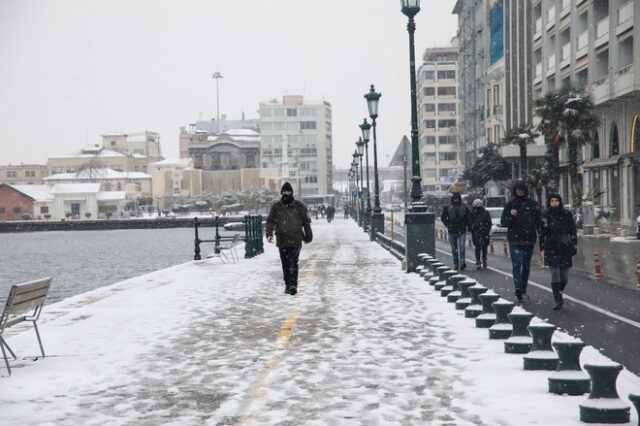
point(549, 110)
point(520, 136)
point(578, 125)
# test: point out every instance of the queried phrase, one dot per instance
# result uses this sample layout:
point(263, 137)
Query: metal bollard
point(487, 318)
point(465, 297)
point(603, 387)
point(520, 341)
point(569, 378)
point(502, 328)
point(475, 308)
point(541, 356)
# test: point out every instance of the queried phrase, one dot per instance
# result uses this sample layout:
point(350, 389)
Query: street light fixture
point(217, 76)
point(373, 100)
point(360, 147)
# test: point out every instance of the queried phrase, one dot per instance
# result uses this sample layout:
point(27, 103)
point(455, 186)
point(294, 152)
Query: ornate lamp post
point(377, 218)
point(354, 211)
point(366, 214)
point(419, 225)
point(356, 162)
point(365, 127)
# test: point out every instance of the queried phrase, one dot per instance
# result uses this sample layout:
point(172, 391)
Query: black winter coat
point(480, 226)
point(290, 223)
point(455, 218)
point(559, 238)
point(522, 229)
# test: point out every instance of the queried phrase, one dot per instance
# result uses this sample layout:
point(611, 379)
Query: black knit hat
point(286, 187)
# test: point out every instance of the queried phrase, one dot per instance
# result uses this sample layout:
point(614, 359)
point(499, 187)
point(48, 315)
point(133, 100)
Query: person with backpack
point(289, 221)
point(456, 218)
point(558, 243)
point(480, 228)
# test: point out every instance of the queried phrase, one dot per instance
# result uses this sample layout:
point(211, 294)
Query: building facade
point(141, 144)
point(98, 156)
point(233, 149)
point(296, 137)
point(23, 174)
point(440, 149)
point(202, 129)
point(591, 43)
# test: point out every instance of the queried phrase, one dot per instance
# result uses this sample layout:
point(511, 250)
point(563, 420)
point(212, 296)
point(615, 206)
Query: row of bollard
point(512, 324)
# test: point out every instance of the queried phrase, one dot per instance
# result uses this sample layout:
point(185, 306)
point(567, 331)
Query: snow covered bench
point(24, 303)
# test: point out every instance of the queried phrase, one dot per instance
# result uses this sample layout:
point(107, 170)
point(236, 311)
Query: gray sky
point(71, 70)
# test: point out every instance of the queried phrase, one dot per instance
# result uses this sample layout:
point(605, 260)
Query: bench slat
point(31, 285)
point(18, 308)
point(19, 298)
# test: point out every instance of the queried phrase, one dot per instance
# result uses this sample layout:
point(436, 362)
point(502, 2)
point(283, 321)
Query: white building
point(175, 178)
point(440, 150)
point(296, 136)
point(145, 144)
point(592, 43)
point(136, 184)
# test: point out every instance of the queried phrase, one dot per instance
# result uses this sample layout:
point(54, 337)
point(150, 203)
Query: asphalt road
point(604, 316)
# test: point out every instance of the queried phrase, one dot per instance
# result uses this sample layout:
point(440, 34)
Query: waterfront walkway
point(205, 343)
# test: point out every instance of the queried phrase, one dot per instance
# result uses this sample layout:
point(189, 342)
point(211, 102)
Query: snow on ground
point(207, 343)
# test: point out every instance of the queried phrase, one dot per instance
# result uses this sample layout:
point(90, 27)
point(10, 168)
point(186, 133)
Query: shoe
point(293, 290)
point(463, 266)
point(557, 295)
point(478, 265)
point(519, 297)
point(558, 306)
point(484, 263)
point(286, 290)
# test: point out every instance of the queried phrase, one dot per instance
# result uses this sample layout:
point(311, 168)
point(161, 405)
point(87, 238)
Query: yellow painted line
point(278, 353)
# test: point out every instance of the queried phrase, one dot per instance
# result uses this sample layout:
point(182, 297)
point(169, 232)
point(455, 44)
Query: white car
point(497, 231)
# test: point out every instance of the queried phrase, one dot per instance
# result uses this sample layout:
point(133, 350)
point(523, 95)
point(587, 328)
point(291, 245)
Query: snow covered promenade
point(207, 343)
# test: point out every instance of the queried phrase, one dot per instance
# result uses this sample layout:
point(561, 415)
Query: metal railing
point(253, 232)
point(394, 247)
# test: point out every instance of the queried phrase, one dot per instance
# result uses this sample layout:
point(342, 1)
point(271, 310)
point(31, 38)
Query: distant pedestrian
point(521, 217)
point(558, 242)
point(330, 211)
point(480, 228)
point(456, 218)
point(289, 220)
point(323, 210)
point(346, 211)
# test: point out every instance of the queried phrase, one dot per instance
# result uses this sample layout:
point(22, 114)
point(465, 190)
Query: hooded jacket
point(559, 238)
point(290, 222)
point(522, 229)
point(480, 226)
point(456, 215)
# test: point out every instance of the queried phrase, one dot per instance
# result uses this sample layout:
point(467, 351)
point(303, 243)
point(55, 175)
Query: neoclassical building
point(233, 149)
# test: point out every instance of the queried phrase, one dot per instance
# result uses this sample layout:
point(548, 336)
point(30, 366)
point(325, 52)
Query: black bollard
point(487, 318)
point(541, 356)
point(502, 327)
point(603, 404)
point(520, 341)
point(465, 297)
point(451, 285)
point(475, 308)
point(444, 277)
point(569, 378)
point(635, 400)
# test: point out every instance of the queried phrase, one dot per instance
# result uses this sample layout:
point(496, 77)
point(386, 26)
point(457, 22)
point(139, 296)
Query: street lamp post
point(366, 213)
point(419, 225)
point(356, 215)
point(357, 162)
point(217, 76)
point(377, 218)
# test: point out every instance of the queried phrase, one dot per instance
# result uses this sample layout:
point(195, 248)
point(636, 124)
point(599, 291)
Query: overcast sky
point(71, 70)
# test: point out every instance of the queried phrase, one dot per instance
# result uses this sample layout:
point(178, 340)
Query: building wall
point(14, 205)
point(218, 182)
point(306, 129)
point(72, 163)
point(23, 174)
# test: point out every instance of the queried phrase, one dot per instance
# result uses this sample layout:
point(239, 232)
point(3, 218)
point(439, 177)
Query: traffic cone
point(491, 249)
point(598, 268)
point(638, 274)
point(446, 235)
point(505, 252)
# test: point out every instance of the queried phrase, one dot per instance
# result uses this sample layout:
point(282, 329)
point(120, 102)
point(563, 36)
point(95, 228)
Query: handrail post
point(217, 242)
point(196, 255)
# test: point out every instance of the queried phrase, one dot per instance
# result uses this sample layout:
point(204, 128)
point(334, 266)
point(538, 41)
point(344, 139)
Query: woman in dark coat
point(480, 228)
point(559, 242)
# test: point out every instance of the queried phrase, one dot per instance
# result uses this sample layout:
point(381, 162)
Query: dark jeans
point(289, 258)
point(457, 248)
point(481, 249)
point(521, 263)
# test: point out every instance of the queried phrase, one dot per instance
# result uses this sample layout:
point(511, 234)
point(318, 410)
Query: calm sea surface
point(80, 261)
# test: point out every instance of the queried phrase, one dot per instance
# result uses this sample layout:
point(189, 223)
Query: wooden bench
point(230, 247)
point(24, 303)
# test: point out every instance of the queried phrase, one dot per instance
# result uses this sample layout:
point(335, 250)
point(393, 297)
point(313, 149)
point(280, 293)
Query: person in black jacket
point(456, 218)
point(289, 220)
point(558, 241)
point(521, 216)
point(480, 228)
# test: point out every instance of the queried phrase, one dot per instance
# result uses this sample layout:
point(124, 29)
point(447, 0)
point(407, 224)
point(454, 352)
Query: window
point(266, 112)
point(278, 112)
point(448, 156)
point(292, 112)
point(447, 140)
point(44, 210)
point(447, 108)
point(446, 75)
point(12, 173)
point(430, 140)
point(446, 91)
point(447, 172)
point(496, 132)
point(489, 138)
point(429, 91)
point(446, 124)
point(430, 156)
point(430, 173)
point(429, 107)
point(488, 102)
point(496, 94)
point(17, 210)
point(430, 124)
point(428, 75)
point(307, 125)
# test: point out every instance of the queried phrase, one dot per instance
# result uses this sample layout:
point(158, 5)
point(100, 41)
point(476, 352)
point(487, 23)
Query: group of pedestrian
point(526, 223)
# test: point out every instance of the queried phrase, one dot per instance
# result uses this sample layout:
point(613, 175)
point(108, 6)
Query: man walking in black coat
point(289, 220)
point(521, 217)
point(456, 218)
point(480, 228)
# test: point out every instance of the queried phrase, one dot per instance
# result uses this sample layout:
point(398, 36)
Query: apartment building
point(440, 150)
point(23, 174)
point(140, 144)
point(591, 43)
point(296, 136)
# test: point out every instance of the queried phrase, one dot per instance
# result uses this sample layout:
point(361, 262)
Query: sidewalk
point(206, 343)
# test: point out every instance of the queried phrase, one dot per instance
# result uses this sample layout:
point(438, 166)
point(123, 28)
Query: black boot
point(557, 295)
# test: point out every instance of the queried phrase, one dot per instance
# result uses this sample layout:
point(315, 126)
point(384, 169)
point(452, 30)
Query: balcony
point(566, 56)
point(582, 45)
point(551, 18)
point(551, 65)
point(538, 74)
point(565, 9)
point(600, 90)
point(623, 81)
point(537, 32)
point(602, 32)
point(625, 18)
